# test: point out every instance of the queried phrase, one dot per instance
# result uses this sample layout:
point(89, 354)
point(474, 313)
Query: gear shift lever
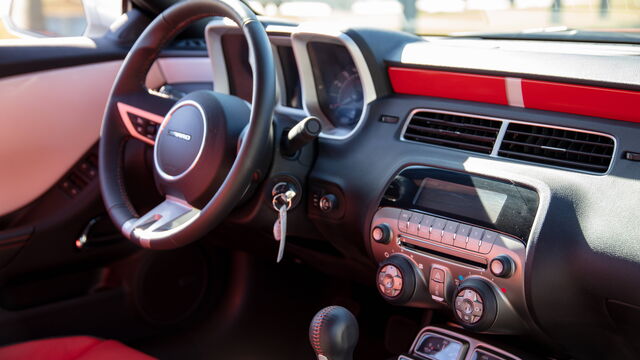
point(334, 333)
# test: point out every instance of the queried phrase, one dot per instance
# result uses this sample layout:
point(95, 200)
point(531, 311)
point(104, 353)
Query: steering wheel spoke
point(143, 113)
point(169, 217)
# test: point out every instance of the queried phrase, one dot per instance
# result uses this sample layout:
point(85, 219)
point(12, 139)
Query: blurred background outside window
point(46, 17)
point(427, 17)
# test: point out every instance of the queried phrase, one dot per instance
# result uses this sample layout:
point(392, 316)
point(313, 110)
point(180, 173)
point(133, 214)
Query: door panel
point(53, 95)
point(49, 120)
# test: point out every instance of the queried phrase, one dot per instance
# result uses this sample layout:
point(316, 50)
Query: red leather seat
point(71, 348)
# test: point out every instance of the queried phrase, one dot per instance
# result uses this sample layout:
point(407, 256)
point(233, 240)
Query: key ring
point(282, 197)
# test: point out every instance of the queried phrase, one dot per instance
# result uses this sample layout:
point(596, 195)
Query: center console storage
point(450, 239)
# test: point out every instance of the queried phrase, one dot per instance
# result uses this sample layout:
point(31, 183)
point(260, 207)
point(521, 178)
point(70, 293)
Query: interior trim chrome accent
point(149, 226)
point(214, 32)
point(464, 343)
point(300, 38)
point(513, 87)
point(213, 35)
point(164, 124)
point(500, 137)
point(452, 335)
point(125, 109)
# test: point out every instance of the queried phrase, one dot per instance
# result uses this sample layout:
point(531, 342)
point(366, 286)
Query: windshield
point(451, 17)
point(597, 20)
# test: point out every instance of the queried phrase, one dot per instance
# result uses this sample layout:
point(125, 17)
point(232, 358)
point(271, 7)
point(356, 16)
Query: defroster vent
point(557, 147)
point(452, 130)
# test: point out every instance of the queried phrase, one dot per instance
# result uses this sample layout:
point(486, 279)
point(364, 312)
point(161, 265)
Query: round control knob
point(396, 279)
point(328, 202)
point(502, 266)
point(475, 305)
point(381, 233)
point(390, 281)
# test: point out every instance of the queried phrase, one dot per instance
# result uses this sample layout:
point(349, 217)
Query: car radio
point(446, 238)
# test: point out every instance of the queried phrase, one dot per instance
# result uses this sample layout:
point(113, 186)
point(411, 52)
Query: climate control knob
point(502, 266)
point(475, 305)
point(390, 281)
point(396, 279)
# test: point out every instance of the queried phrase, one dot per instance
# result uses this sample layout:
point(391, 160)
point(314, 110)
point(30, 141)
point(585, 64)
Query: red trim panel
point(471, 87)
point(541, 95)
point(582, 100)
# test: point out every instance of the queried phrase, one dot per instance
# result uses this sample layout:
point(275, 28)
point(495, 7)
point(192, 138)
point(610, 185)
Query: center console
point(447, 239)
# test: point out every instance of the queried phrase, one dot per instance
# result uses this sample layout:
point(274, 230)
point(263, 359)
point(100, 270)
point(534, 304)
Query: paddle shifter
point(334, 333)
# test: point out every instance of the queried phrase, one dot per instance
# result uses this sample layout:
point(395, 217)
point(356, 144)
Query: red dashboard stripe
point(582, 100)
point(471, 87)
point(542, 95)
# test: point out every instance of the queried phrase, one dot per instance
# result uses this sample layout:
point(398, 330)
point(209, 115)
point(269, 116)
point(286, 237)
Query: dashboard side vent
point(452, 130)
point(557, 147)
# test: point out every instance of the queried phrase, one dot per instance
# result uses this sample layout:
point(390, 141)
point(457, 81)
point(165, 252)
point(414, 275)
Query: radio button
point(436, 290)
point(449, 232)
point(487, 241)
point(403, 220)
point(475, 237)
point(461, 236)
point(414, 223)
point(436, 229)
point(437, 275)
point(425, 224)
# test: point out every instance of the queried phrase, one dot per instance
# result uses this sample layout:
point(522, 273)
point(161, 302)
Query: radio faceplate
point(500, 205)
point(451, 258)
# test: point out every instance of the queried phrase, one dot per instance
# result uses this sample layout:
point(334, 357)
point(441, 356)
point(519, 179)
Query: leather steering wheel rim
point(130, 83)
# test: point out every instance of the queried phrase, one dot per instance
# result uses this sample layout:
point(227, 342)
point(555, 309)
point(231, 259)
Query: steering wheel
point(196, 150)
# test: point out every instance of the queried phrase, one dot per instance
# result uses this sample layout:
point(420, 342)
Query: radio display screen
point(491, 203)
point(463, 200)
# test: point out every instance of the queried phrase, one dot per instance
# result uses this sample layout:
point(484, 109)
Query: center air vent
point(558, 147)
point(453, 130)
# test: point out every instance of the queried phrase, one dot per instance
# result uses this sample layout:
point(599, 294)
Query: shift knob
point(334, 333)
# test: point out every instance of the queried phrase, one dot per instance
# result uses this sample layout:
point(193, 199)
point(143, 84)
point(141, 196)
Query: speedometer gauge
point(345, 97)
point(338, 86)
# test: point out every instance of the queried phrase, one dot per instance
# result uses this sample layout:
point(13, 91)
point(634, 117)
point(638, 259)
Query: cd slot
point(433, 249)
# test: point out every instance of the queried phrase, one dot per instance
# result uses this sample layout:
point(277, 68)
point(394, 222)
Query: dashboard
point(494, 181)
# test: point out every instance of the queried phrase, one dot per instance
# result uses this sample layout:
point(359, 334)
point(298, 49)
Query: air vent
point(558, 147)
point(453, 130)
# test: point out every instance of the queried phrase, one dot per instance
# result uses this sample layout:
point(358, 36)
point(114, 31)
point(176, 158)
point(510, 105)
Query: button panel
point(81, 174)
point(454, 251)
point(448, 232)
point(144, 127)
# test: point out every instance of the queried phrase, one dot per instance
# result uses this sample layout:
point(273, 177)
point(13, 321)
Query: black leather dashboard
point(583, 256)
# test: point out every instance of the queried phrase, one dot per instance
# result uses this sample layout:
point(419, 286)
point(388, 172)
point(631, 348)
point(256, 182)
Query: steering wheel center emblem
point(179, 135)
